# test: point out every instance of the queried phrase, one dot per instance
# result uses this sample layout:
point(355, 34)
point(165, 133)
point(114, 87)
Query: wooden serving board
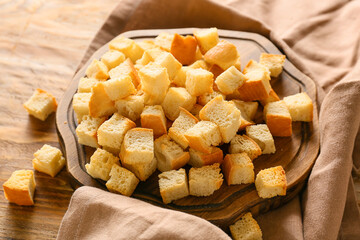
point(296, 154)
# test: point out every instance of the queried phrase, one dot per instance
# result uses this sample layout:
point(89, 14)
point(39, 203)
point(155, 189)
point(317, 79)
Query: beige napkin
point(322, 39)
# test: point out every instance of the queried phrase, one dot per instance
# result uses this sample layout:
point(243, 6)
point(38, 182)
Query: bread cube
point(207, 97)
point(154, 82)
point(278, 119)
point(100, 164)
point(274, 62)
point(86, 131)
point(196, 110)
point(237, 64)
point(199, 159)
point(81, 105)
point(200, 64)
point(271, 182)
point(142, 170)
point(97, 70)
point(247, 109)
point(131, 106)
point(100, 104)
point(230, 80)
point(137, 146)
point(112, 58)
point(216, 70)
point(246, 228)
point(242, 143)
point(183, 122)
point(206, 38)
point(273, 97)
point(169, 154)
point(121, 181)
point(147, 44)
point(150, 55)
point(260, 133)
point(199, 81)
point(41, 104)
point(300, 107)
point(117, 88)
point(48, 160)
point(128, 47)
point(20, 187)
point(224, 54)
point(180, 79)
point(205, 181)
point(203, 135)
point(177, 97)
point(85, 84)
point(235, 95)
point(198, 54)
point(153, 117)
point(257, 85)
point(184, 49)
point(113, 151)
point(238, 169)
point(164, 40)
point(124, 69)
point(112, 132)
point(173, 185)
point(168, 61)
point(224, 114)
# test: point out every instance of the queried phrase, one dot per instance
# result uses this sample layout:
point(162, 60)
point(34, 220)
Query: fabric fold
point(96, 214)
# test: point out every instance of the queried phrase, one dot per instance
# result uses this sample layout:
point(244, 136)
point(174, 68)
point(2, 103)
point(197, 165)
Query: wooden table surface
point(41, 44)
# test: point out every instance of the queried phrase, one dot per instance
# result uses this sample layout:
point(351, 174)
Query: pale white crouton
point(100, 164)
point(238, 169)
point(260, 133)
point(173, 185)
point(203, 135)
point(300, 107)
point(48, 160)
point(41, 104)
point(111, 133)
point(271, 182)
point(199, 81)
point(128, 47)
point(121, 181)
point(175, 98)
point(183, 122)
point(224, 114)
point(246, 228)
point(205, 181)
point(230, 80)
point(131, 106)
point(169, 154)
point(86, 131)
point(206, 38)
point(97, 70)
point(274, 62)
point(154, 82)
point(112, 58)
point(153, 117)
point(117, 88)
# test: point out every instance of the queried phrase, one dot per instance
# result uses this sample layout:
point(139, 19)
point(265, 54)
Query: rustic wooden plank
point(41, 43)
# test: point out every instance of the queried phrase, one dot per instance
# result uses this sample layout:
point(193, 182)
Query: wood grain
point(296, 154)
point(41, 43)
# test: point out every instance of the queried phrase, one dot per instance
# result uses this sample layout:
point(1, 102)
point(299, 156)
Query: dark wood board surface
point(296, 154)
